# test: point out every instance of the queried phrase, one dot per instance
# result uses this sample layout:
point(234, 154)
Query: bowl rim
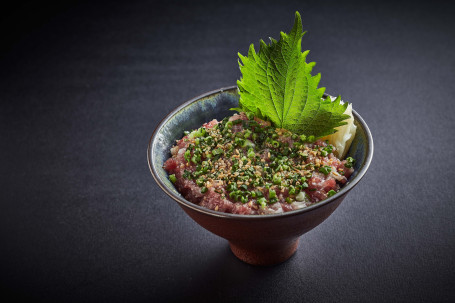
point(183, 202)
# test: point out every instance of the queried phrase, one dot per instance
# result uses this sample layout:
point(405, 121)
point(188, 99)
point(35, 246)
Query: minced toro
point(242, 165)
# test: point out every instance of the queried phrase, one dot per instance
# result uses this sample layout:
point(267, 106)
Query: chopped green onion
point(328, 148)
point(262, 202)
point(275, 144)
point(172, 178)
point(196, 158)
point(272, 193)
point(187, 174)
point(239, 142)
point(251, 153)
point(349, 162)
point(200, 182)
point(276, 179)
point(187, 155)
point(291, 190)
point(331, 193)
point(325, 169)
point(217, 151)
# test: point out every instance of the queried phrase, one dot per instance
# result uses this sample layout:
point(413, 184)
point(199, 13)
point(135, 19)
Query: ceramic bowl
point(255, 239)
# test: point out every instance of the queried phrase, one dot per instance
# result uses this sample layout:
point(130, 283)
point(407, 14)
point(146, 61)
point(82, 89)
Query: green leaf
point(277, 84)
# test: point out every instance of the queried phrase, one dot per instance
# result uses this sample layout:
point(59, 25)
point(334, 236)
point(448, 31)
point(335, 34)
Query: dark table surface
point(83, 87)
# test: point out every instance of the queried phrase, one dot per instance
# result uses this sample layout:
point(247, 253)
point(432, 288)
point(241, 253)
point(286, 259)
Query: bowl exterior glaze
point(258, 240)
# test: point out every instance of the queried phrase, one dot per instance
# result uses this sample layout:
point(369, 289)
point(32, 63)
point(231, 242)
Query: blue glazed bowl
point(255, 239)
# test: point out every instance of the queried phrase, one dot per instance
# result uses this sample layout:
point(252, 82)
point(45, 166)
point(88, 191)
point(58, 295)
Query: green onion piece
point(328, 148)
point(239, 142)
point(251, 153)
point(195, 159)
point(232, 186)
point(291, 190)
point(349, 162)
point(262, 202)
point(187, 155)
point(288, 200)
point(217, 151)
point(331, 193)
point(208, 140)
point(311, 139)
point(302, 138)
point(325, 169)
point(248, 143)
point(204, 190)
point(276, 179)
point(172, 178)
point(187, 174)
point(272, 193)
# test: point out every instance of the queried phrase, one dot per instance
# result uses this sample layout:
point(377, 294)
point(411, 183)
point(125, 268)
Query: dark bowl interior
point(216, 105)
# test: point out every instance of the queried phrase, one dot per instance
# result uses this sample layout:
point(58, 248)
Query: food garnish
point(277, 85)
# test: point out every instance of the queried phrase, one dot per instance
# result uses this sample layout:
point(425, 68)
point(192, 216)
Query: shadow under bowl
point(255, 239)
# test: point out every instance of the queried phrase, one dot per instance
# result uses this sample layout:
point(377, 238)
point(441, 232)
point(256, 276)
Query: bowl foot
point(269, 254)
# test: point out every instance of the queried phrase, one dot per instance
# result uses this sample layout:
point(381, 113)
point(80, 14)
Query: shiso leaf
point(277, 85)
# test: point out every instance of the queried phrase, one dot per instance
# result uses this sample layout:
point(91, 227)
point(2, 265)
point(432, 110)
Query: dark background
point(84, 84)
